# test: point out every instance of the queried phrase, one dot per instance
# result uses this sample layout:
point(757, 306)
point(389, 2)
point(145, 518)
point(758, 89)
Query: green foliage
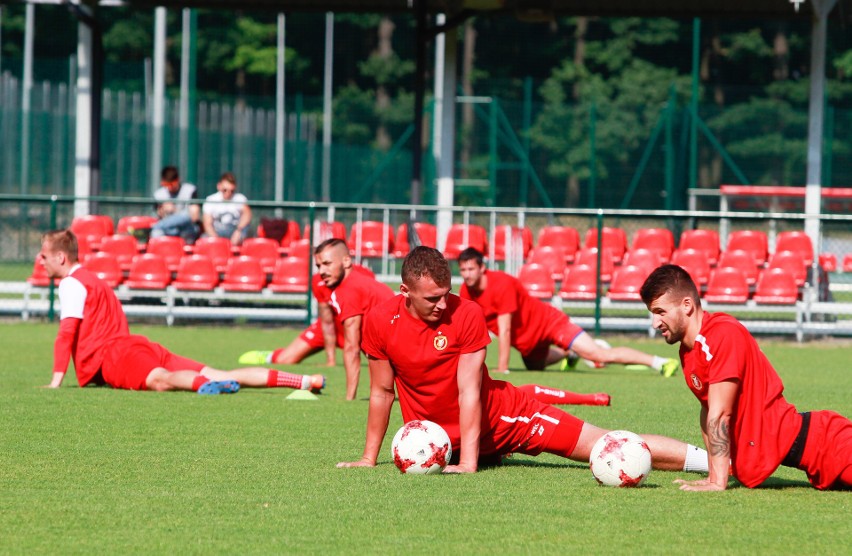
point(103, 471)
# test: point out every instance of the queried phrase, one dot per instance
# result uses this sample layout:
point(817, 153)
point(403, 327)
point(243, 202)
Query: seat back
point(776, 287)
point(742, 260)
point(170, 248)
point(537, 280)
point(196, 272)
point(847, 262)
point(727, 285)
point(122, 247)
point(792, 262)
point(645, 258)
point(217, 249)
point(828, 262)
point(589, 256)
point(752, 241)
point(614, 239)
point(149, 271)
point(518, 239)
point(626, 283)
point(265, 250)
point(244, 274)
point(39, 278)
point(565, 237)
point(371, 239)
point(462, 236)
point(551, 257)
point(291, 275)
point(657, 240)
point(105, 266)
point(706, 241)
point(797, 242)
point(695, 262)
point(427, 234)
point(579, 283)
point(93, 227)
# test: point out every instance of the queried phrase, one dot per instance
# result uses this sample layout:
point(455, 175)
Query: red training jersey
point(356, 294)
point(532, 319)
point(425, 360)
point(764, 424)
point(84, 296)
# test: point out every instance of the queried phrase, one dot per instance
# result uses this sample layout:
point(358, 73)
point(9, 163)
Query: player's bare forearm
point(378, 413)
point(56, 382)
point(504, 341)
point(352, 365)
point(469, 380)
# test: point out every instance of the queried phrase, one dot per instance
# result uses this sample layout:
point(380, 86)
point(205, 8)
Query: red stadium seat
point(93, 227)
point(196, 273)
point(265, 250)
point(753, 241)
point(105, 266)
point(291, 275)
point(776, 287)
point(149, 272)
point(461, 236)
point(301, 249)
point(284, 232)
point(122, 247)
point(706, 241)
point(84, 250)
point(217, 249)
point(564, 237)
point(519, 239)
point(657, 240)
point(589, 256)
point(129, 224)
point(695, 262)
point(727, 285)
point(614, 239)
point(550, 257)
point(791, 262)
point(244, 274)
point(537, 280)
point(645, 258)
point(427, 234)
point(371, 239)
point(847, 263)
point(797, 242)
point(579, 283)
point(326, 230)
point(626, 283)
point(742, 260)
point(170, 248)
point(828, 262)
point(39, 278)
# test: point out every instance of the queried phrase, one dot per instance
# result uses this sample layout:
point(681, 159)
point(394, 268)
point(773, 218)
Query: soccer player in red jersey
point(542, 333)
point(93, 330)
point(749, 428)
point(325, 333)
point(427, 347)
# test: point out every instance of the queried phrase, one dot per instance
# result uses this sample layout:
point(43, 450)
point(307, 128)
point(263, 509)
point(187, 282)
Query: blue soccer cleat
point(215, 387)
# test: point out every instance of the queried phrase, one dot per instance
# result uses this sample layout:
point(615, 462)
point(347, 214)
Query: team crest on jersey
point(696, 382)
point(440, 342)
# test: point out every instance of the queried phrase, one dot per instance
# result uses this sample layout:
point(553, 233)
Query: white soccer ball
point(620, 459)
point(421, 448)
point(604, 344)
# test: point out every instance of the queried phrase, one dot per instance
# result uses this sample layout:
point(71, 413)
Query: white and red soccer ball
point(620, 459)
point(421, 448)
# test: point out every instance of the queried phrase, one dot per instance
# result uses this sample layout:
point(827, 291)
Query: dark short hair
point(169, 173)
point(63, 241)
point(472, 254)
point(333, 242)
point(669, 278)
point(426, 261)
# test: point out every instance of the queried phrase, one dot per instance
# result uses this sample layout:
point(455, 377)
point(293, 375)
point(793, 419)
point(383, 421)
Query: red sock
point(198, 381)
point(556, 396)
point(275, 354)
point(280, 379)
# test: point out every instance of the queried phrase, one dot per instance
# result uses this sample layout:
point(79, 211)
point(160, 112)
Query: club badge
point(696, 382)
point(440, 342)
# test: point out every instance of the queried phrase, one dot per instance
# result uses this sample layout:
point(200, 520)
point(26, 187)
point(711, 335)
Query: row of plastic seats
point(725, 285)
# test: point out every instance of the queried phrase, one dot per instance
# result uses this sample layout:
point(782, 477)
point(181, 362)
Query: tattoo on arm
point(719, 438)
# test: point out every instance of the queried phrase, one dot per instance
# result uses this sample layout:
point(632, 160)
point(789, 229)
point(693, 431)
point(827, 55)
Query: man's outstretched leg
point(587, 348)
point(163, 380)
point(259, 377)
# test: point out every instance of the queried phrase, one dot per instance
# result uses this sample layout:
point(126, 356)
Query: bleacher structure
point(775, 286)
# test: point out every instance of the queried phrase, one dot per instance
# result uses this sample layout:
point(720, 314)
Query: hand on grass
point(699, 485)
point(459, 469)
point(360, 463)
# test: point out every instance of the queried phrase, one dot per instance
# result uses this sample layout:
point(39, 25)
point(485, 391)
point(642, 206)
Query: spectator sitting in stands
point(178, 216)
point(226, 213)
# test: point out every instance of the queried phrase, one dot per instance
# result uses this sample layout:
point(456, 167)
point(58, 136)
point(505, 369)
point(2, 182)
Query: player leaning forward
point(431, 345)
point(93, 330)
point(748, 426)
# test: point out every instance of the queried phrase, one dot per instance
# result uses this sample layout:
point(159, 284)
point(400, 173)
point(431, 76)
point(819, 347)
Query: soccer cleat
point(215, 387)
point(256, 357)
point(570, 361)
point(670, 367)
point(602, 399)
point(317, 384)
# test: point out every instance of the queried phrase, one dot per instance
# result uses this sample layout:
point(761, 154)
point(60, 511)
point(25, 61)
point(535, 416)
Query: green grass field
point(95, 470)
